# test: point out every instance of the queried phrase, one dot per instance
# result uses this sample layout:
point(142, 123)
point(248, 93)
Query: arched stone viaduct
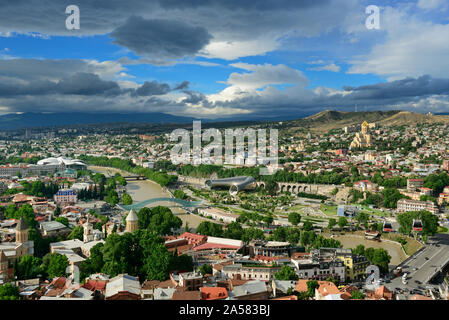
point(321, 189)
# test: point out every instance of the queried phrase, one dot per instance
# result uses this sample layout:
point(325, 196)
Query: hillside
point(328, 120)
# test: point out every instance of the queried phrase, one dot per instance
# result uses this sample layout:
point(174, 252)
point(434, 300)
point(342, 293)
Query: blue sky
point(237, 59)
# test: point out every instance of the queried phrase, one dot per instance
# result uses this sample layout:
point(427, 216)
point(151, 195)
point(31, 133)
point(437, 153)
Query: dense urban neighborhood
point(357, 212)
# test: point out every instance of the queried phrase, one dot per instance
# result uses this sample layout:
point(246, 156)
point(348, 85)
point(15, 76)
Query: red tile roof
point(93, 285)
point(210, 245)
point(214, 293)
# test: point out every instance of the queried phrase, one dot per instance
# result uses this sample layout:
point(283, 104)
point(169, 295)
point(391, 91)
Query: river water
point(146, 189)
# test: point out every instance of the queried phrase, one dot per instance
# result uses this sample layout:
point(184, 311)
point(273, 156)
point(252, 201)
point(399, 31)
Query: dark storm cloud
point(87, 84)
point(78, 84)
point(226, 21)
point(153, 88)
point(262, 5)
point(194, 97)
point(182, 86)
point(408, 87)
point(161, 38)
point(297, 101)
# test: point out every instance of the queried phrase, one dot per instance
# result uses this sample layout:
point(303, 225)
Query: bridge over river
point(141, 204)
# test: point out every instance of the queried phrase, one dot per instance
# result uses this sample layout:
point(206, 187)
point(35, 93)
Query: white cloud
point(330, 67)
point(412, 48)
point(248, 84)
point(430, 4)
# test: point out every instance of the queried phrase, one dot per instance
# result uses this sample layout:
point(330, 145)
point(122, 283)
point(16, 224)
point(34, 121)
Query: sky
point(224, 59)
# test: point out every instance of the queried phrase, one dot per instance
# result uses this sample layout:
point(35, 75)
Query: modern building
point(414, 184)
point(319, 266)
point(260, 272)
point(347, 211)
point(355, 265)
point(269, 248)
point(405, 205)
point(218, 215)
point(65, 197)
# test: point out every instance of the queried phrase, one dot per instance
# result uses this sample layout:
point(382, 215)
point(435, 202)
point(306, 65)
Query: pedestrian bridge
point(141, 204)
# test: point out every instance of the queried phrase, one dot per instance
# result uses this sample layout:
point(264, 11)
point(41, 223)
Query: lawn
point(376, 212)
point(442, 229)
point(329, 210)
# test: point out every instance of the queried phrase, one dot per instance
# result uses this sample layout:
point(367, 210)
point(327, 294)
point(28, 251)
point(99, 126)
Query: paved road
point(424, 265)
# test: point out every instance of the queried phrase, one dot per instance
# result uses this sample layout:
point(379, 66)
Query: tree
point(357, 295)
point(381, 258)
point(159, 219)
point(311, 286)
point(122, 254)
point(94, 263)
point(27, 267)
point(332, 222)
point(252, 234)
point(57, 265)
point(209, 229)
point(286, 273)
point(9, 292)
point(156, 258)
point(63, 220)
point(112, 198)
point(362, 217)
point(179, 194)
point(126, 199)
point(268, 219)
point(234, 231)
point(280, 234)
point(206, 269)
point(342, 222)
point(307, 226)
point(391, 197)
point(294, 218)
point(429, 222)
point(359, 250)
point(181, 263)
point(307, 238)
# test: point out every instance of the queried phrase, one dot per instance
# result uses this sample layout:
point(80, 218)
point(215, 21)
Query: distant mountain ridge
point(35, 120)
point(329, 119)
point(320, 122)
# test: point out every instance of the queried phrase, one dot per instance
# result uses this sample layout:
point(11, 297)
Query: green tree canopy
point(342, 222)
point(126, 199)
point(429, 222)
point(159, 219)
point(286, 273)
point(57, 265)
point(294, 218)
point(210, 229)
point(27, 267)
point(9, 292)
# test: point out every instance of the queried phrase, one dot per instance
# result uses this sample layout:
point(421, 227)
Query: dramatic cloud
point(412, 47)
point(223, 29)
point(161, 38)
point(153, 88)
point(183, 85)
